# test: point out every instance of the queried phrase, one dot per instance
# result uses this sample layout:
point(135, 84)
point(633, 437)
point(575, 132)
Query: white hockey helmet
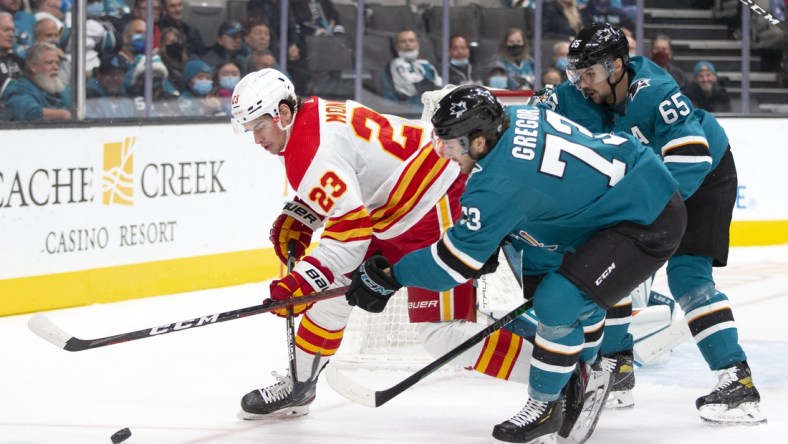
point(260, 93)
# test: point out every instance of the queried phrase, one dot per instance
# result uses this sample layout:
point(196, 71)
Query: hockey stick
point(290, 324)
point(43, 327)
point(376, 398)
point(765, 15)
point(651, 347)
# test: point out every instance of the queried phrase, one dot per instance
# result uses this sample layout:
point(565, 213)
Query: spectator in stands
point(165, 96)
point(662, 55)
point(49, 29)
point(174, 53)
point(106, 95)
point(50, 9)
point(140, 12)
point(316, 17)
point(460, 66)
point(552, 76)
point(561, 19)
point(199, 96)
point(226, 77)
point(23, 25)
point(39, 94)
point(633, 43)
point(514, 56)
point(496, 78)
point(258, 60)
point(228, 45)
point(771, 41)
point(173, 17)
point(601, 11)
point(705, 92)
point(408, 76)
point(132, 41)
point(11, 65)
point(560, 62)
point(257, 39)
point(268, 12)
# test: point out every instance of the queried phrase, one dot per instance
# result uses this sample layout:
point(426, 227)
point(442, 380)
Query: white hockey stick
point(649, 348)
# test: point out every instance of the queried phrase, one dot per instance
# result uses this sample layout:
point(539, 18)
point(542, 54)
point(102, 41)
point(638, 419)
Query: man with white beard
point(40, 94)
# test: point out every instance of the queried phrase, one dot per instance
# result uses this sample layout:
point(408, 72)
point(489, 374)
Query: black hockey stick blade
point(764, 14)
point(353, 391)
point(46, 329)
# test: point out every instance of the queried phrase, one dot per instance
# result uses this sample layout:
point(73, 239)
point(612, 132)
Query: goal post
point(388, 340)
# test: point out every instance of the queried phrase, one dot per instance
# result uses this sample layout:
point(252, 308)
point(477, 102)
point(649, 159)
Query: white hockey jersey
point(370, 174)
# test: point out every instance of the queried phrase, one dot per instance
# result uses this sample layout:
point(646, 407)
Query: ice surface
point(186, 387)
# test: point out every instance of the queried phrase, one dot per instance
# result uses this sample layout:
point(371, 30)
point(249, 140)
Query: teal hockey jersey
point(691, 141)
point(548, 182)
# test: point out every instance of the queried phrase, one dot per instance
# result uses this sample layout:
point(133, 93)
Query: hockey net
point(388, 340)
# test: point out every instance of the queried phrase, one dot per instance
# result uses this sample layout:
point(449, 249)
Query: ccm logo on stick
point(183, 325)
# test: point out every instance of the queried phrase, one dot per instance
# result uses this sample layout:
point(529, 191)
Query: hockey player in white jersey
point(375, 184)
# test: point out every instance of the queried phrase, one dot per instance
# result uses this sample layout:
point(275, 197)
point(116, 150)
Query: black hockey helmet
point(597, 43)
point(465, 110)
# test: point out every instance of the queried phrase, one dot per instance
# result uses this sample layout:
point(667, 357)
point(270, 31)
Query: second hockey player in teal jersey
point(610, 91)
point(605, 201)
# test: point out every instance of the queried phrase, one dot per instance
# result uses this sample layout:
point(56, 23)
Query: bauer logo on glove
point(307, 277)
point(296, 223)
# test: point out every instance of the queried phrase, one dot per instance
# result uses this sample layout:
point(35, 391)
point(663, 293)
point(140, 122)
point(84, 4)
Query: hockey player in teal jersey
point(610, 91)
point(606, 201)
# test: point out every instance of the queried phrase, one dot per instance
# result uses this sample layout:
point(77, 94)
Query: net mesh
point(388, 339)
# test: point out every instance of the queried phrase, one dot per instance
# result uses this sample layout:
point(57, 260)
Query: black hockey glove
point(489, 267)
point(372, 287)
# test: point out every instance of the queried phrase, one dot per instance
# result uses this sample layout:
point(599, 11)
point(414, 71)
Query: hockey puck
point(120, 436)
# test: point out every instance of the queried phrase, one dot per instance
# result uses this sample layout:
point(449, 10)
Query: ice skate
point(536, 423)
point(622, 380)
point(734, 400)
point(585, 396)
point(279, 400)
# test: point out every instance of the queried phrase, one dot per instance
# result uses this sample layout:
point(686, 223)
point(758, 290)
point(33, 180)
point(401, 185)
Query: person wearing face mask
point(227, 76)
point(408, 76)
point(199, 95)
point(132, 41)
point(139, 11)
point(174, 54)
point(662, 55)
point(460, 67)
point(514, 57)
point(172, 17)
point(560, 51)
point(497, 78)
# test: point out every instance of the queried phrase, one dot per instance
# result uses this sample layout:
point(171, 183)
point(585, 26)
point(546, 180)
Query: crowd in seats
point(193, 75)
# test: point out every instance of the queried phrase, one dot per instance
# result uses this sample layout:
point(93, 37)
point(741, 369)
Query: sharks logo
point(476, 169)
point(458, 109)
point(637, 86)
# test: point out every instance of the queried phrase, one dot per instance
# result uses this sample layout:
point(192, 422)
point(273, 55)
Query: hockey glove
point(372, 287)
point(297, 222)
point(307, 277)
